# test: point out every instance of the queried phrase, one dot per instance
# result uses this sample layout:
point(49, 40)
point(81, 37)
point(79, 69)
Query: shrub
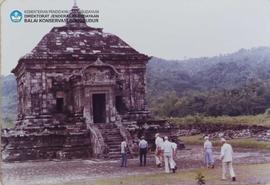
point(200, 179)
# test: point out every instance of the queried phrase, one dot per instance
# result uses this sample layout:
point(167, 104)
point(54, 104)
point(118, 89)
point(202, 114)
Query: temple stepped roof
point(77, 40)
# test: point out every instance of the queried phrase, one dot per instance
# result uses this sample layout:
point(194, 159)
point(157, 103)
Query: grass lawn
point(246, 175)
point(239, 143)
point(259, 120)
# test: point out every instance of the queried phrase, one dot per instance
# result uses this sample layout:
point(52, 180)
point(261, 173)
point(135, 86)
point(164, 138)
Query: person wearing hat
point(168, 155)
point(227, 157)
point(208, 153)
point(158, 154)
point(143, 146)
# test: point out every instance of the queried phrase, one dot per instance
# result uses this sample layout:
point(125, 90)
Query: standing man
point(123, 153)
point(174, 155)
point(208, 153)
point(168, 155)
point(226, 157)
point(143, 146)
point(158, 154)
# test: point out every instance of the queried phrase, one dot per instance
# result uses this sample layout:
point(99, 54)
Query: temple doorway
point(99, 108)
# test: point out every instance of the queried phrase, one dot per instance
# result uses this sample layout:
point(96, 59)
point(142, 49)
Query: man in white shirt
point(174, 154)
point(158, 154)
point(143, 145)
point(227, 156)
point(168, 155)
point(208, 153)
point(123, 153)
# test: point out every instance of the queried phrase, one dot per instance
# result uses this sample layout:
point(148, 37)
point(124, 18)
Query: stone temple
point(76, 89)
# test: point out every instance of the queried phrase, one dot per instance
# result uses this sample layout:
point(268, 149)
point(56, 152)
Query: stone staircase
point(112, 137)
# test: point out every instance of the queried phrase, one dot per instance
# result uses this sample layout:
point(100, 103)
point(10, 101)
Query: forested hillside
point(233, 84)
point(8, 99)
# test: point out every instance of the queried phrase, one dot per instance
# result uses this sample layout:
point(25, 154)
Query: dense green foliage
point(247, 100)
point(235, 84)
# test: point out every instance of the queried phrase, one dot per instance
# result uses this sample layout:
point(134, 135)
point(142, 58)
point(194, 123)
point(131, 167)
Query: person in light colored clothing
point(227, 157)
point(208, 153)
point(158, 154)
point(123, 153)
point(143, 145)
point(168, 155)
point(174, 154)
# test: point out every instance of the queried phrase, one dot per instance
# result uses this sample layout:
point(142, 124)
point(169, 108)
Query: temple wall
point(38, 91)
point(45, 130)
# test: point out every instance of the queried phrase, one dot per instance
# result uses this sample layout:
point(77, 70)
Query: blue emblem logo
point(16, 16)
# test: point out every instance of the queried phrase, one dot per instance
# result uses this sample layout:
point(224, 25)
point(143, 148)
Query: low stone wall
point(229, 131)
point(149, 128)
point(45, 147)
point(264, 136)
point(215, 127)
point(47, 138)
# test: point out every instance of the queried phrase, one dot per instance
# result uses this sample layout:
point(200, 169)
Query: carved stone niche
point(100, 73)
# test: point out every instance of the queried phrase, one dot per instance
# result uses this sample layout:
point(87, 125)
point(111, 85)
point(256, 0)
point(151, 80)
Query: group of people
point(143, 146)
point(226, 156)
point(166, 150)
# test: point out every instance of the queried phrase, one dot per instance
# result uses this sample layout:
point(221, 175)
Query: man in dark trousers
point(123, 153)
point(143, 145)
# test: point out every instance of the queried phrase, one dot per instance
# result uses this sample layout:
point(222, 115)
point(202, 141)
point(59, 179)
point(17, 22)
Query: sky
point(171, 29)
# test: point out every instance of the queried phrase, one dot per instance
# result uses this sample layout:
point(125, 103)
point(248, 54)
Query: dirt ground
point(87, 171)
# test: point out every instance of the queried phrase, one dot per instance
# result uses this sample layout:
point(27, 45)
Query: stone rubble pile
point(265, 136)
point(233, 134)
point(259, 134)
point(187, 132)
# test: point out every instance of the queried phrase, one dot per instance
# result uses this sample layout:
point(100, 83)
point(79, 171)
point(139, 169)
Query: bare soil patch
point(92, 171)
